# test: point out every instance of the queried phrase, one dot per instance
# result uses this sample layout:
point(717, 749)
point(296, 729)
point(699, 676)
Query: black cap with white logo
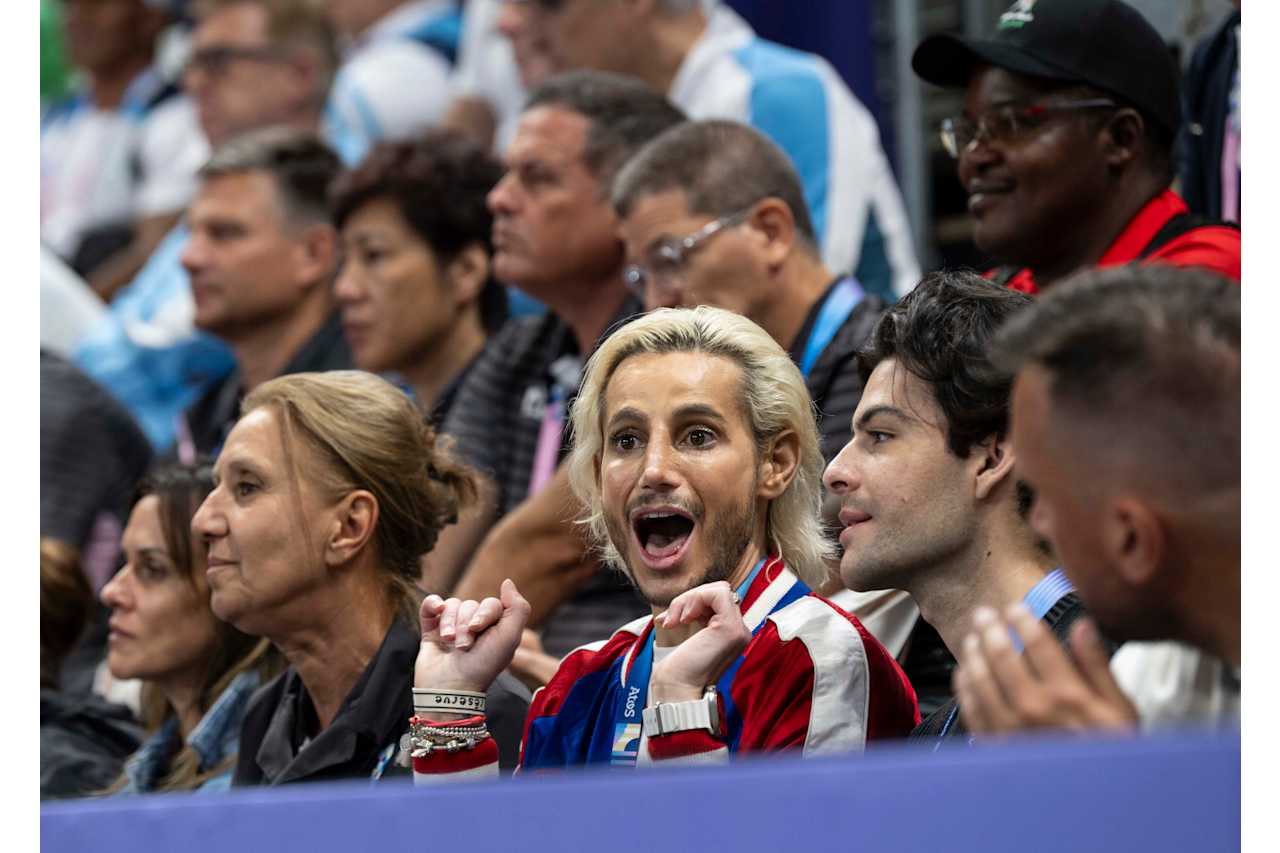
point(1103, 43)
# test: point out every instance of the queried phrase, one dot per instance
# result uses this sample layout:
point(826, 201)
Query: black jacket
point(367, 728)
point(84, 742)
point(1206, 92)
point(1060, 618)
point(211, 417)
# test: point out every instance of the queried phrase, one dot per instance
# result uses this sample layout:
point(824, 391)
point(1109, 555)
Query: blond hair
point(774, 398)
point(369, 435)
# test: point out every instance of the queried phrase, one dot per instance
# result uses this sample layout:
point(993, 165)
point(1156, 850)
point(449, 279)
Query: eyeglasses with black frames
point(216, 61)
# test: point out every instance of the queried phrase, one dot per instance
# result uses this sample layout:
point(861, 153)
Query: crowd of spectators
point(443, 389)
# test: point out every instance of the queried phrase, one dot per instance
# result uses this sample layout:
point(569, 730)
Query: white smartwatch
point(668, 717)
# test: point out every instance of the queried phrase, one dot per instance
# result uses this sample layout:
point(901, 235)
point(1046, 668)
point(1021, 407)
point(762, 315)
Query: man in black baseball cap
point(1066, 143)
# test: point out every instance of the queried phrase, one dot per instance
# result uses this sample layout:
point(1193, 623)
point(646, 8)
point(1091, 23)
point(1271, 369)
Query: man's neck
point(985, 574)
point(588, 311)
point(671, 37)
point(440, 364)
point(1208, 541)
point(799, 285)
point(1097, 234)
point(107, 87)
point(263, 352)
point(331, 652)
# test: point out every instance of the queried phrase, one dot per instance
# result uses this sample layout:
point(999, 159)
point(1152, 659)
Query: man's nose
point(659, 466)
point(841, 476)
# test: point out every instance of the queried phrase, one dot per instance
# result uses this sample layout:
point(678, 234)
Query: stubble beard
point(726, 543)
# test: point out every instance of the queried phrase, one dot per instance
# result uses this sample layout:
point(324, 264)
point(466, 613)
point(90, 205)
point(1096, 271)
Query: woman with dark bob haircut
point(330, 488)
point(197, 671)
point(416, 291)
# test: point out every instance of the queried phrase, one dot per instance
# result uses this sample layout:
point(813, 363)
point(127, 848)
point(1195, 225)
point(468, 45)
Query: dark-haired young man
point(262, 257)
point(929, 500)
point(1126, 418)
point(1065, 147)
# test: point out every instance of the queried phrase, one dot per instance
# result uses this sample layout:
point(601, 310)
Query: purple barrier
point(1167, 794)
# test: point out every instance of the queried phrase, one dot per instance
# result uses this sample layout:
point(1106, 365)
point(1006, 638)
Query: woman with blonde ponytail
point(197, 672)
point(330, 488)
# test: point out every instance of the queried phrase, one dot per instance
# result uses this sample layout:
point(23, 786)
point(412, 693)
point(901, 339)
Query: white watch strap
point(668, 717)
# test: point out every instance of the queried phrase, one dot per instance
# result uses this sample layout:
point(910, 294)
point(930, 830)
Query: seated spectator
point(696, 455)
point(262, 257)
point(1209, 165)
point(929, 500)
point(1126, 420)
point(118, 157)
point(330, 489)
point(416, 289)
point(84, 740)
point(555, 237)
point(1065, 147)
point(713, 213)
point(198, 673)
point(389, 42)
point(712, 65)
point(92, 456)
point(252, 64)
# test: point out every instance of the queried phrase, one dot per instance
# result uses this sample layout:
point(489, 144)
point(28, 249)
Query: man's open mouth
point(662, 532)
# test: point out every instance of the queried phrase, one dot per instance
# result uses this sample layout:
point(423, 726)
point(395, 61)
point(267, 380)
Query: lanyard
point(836, 308)
point(635, 691)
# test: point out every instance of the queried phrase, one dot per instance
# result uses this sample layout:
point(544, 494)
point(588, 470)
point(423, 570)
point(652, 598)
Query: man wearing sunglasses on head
point(1065, 147)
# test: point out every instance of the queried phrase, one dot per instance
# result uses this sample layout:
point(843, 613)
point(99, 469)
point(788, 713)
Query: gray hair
point(774, 398)
point(721, 166)
point(624, 113)
point(301, 166)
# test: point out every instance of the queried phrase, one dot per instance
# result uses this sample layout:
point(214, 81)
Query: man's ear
point(356, 517)
point(779, 464)
point(317, 255)
point(776, 225)
point(1123, 137)
point(467, 273)
point(993, 463)
point(1135, 540)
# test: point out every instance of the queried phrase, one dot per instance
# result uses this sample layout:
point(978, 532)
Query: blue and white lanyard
point(635, 686)
point(836, 308)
